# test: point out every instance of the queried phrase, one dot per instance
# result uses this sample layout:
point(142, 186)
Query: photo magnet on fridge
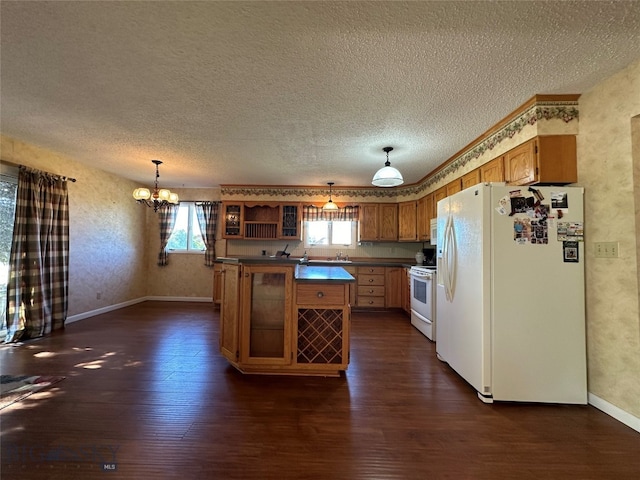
point(570, 251)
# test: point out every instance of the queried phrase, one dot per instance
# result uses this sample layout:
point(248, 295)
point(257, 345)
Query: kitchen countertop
point(305, 273)
point(356, 262)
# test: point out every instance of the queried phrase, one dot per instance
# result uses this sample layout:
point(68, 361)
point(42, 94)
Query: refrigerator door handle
point(446, 259)
point(452, 254)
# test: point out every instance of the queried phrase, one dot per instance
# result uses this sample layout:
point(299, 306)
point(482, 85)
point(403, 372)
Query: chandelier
point(330, 206)
point(159, 198)
point(387, 176)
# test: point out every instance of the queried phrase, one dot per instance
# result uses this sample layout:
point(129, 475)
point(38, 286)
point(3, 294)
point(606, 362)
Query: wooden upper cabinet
point(378, 222)
point(493, 171)
point(368, 222)
point(454, 187)
point(407, 221)
point(233, 225)
point(437, 196)
point(262, 220)
point(424, 211)
point(389, 222)
point(470, 179)
point(291, 218)
point(544, 159)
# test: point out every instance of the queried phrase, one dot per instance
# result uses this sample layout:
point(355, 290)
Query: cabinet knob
point(320, 294)
point(370, 280)
point(371, 291)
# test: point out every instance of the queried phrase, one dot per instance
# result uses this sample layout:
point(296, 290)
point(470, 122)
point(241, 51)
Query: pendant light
point(330, 206)
point(387, 176)
point(159, 197)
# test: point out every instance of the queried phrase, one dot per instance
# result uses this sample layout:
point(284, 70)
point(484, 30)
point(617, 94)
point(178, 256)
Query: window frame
point(191, 220)
point(354, 235)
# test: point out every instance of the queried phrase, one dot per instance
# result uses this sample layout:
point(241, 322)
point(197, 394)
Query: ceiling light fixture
point(159, 198)
point(387, 176)
point(330, 206)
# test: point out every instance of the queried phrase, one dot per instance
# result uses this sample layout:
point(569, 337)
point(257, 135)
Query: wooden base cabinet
point(271, 324)
point(322, 328)
point(370, 286)
point(266, 314)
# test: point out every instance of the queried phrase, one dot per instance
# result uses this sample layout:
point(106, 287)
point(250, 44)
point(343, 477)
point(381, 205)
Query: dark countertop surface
point(306, 273)
point(356, 262)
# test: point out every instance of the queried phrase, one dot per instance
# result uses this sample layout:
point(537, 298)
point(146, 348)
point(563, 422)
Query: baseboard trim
point(117, 306)
point(100, 311)
point(616, 412)
point(182, 299)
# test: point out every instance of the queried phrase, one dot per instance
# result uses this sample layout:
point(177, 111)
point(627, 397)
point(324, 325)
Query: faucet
point(338, 255)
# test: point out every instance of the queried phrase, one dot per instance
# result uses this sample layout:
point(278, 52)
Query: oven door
point(422, 305)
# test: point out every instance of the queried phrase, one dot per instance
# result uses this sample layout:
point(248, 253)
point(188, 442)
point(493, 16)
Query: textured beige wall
point(606, 170)
point(106, 244)
point(185, 275)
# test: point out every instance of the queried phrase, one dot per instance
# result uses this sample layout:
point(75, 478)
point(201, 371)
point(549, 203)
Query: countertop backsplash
point(236, 248)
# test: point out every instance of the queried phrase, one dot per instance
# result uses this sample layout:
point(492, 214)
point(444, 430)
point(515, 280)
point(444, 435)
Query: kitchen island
point(284, 318)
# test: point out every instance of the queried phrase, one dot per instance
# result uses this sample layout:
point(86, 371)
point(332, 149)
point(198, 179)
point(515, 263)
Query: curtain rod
point(64, 177)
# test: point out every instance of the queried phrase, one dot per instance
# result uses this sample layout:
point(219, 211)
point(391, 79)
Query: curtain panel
point(37, 292)
point(207, 213)
point(167, 220)
point(313, 213)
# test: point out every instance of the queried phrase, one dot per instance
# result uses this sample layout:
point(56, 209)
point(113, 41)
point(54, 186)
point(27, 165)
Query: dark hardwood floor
point(147, 392)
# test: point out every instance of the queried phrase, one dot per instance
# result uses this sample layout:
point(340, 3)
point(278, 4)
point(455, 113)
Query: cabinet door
point(556, 159)
point(437, 196)
point(520, 164)
point(407, 221)
point(217, 283)
point(230, 312)
point(266, 314)
point(393, 287)
point(493, 171)
point(233, 221)
point(388, 222)
point(291, 217)
point(423, 214)
point(454, 187)
point(368, 222)
point(406, 290)
point(470, 179)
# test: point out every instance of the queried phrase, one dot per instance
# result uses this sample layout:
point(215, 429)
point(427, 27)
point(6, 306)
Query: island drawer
point(320, 294)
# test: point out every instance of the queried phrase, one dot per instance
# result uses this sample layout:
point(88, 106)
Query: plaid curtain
point(38, 288)
point(207, 213)
point(312, 213)
point(167, 220)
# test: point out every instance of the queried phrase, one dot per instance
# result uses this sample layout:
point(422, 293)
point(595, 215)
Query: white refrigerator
point(510, 292)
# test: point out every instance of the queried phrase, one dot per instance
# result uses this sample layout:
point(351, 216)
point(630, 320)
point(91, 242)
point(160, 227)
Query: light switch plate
point(606, 249)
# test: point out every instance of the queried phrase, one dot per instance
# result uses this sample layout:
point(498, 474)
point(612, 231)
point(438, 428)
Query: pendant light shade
point(330, 206)
point(387, 176)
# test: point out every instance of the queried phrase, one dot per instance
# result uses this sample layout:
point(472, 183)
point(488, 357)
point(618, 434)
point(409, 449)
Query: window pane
point(178, 239)
point(341, 233)
point(318, 233)
point(196, 236)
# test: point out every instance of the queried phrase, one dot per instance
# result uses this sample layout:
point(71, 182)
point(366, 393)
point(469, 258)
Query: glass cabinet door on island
point(267, 314)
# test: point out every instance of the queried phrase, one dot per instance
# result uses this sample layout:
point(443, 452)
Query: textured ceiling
point(291, 93)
